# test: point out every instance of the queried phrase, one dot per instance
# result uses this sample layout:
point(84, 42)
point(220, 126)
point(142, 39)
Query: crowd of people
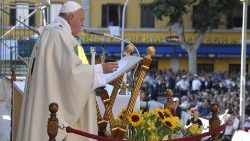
point(198, 91)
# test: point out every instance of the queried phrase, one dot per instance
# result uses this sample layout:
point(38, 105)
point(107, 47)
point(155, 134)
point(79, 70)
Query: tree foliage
point(206, 16)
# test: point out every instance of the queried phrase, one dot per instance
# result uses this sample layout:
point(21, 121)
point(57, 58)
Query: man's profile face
point(76, 21)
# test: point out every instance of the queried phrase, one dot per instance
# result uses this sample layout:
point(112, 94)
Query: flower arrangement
point(156, 125)
point(194, 129)
point(152, 125)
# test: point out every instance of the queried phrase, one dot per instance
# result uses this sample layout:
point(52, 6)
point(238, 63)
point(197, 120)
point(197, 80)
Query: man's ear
point(70, 18)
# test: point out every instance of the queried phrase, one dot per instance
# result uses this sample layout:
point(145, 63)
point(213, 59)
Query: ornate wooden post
point(120, 132)
point(106, 101)
point(53, 126)
point(214, 121)
point(109, 102)
point(169, 103)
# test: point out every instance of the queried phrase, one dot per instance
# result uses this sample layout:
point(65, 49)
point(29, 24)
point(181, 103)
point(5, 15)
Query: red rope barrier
point(187, 138)
point(92, 136)
point(199, 136)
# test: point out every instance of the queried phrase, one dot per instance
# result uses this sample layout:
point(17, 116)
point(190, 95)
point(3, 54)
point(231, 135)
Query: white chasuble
point(57, 75)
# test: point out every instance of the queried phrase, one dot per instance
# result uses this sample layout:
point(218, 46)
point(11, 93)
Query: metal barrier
point(17, 36)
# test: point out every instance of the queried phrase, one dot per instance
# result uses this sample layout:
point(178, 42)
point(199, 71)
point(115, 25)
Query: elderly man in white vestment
point(56, 74)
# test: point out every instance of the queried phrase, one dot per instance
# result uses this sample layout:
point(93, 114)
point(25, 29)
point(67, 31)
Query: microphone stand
point(110, 36)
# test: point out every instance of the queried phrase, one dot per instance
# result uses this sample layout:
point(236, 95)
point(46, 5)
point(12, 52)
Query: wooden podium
point(108, 101)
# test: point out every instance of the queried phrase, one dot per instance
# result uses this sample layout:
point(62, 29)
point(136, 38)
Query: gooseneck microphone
point(92, 32)
point(87, 31)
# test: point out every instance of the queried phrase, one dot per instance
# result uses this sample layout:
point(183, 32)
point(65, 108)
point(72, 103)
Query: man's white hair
point(70, 6)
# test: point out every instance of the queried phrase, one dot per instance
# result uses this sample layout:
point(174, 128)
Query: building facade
point(220, 50)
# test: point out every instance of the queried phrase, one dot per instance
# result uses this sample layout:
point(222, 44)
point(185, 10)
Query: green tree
point(207, 16)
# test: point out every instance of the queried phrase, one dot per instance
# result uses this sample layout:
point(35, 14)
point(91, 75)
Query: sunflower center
point(135, 118)
point(161, 115)
point(168, 123)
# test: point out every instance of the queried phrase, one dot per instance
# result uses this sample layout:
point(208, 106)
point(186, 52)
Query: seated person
point(232, 125)
point(178, 109)
point(204, 109)
point(194, 118)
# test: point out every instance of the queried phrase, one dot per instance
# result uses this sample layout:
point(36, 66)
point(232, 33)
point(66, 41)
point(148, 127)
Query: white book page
point(125, 64)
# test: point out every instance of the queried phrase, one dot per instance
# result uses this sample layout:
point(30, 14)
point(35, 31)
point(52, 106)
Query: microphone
point(87, 31)
point(92, 32)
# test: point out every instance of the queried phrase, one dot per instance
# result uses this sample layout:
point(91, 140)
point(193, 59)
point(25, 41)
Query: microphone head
point(86, 31)
point(92, 32)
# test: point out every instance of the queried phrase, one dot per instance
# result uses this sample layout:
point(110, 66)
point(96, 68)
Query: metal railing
point(16, 40)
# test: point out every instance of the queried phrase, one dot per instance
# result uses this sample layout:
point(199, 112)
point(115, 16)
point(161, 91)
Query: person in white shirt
point(183, 86)
point(232, 124)
point(196, 84)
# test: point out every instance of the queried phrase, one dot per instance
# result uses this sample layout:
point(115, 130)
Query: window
point(234, 18)
point(236, 68)
point(32, 18)
point(54, 10)
point(13, 15)
point(112, 15)
point(20, 11)
point(147, 18)
point(203, 68)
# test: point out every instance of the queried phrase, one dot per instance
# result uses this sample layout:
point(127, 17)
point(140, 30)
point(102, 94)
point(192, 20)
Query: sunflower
point(160, 114)
point(178, 122)
point(167, 113)
point(194, 129)
point(151, 125)
point(135, 119)
point(122, 114)
point(148, 114)
point(170, 122)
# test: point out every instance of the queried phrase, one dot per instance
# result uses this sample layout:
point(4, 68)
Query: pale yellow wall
point(132, 14)
point(205, 60)
point(220, 65)
point(183, 64)
point(163, 64)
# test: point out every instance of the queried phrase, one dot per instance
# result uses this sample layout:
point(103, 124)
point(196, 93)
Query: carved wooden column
point(108, 109)
point(103, 121)
point(53, 126)
point(169, 103)
point(109, 102)
point(120, 132)
point(214, 121)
